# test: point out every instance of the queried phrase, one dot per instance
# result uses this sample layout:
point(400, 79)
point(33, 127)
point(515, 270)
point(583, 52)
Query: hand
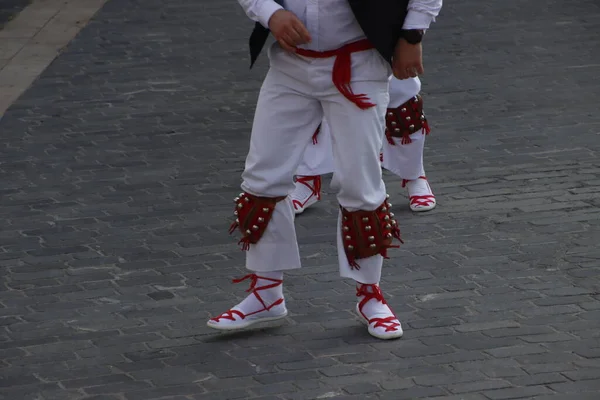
point(288, 30)
point(408, 60)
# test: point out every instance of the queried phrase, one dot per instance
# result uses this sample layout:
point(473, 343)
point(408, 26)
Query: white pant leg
point(404, 160)
point(318, 158)
point(357, 137)
point(401, 90)
point(286, 117)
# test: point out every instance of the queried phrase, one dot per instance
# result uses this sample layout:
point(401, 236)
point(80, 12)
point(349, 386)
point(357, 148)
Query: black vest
point(380, 20)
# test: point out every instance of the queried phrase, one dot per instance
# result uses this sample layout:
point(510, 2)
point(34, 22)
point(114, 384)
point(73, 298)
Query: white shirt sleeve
point(421, 13)
point(260, 10)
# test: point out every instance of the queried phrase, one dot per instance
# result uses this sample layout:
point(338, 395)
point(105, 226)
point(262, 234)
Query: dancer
point(332, 59)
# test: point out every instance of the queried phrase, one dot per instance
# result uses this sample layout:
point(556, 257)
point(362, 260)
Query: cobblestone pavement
point(118, 168)
point(10, 8)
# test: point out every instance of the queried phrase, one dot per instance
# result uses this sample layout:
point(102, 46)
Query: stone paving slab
point(119, 164)
point(34, 38)
point(10, 8)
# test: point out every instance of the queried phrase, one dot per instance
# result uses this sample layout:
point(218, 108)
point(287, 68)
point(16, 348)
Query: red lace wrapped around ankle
point(374, 292)
point(403, 121)
point(253, 214)
point(230, 314)
point(368, 233)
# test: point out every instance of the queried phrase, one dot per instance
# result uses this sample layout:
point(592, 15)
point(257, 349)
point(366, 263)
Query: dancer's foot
point(374, 311)
point(268, 305)
point(307, 192)
point(420, 194)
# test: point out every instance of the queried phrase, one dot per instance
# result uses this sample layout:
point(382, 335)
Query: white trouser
point(404, 160)
point(296, 95)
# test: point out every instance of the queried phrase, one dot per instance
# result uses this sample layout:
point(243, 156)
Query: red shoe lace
point(254, 290)
point(315, 188)
point(425, 200)
point(422, 200)
point(389, 323)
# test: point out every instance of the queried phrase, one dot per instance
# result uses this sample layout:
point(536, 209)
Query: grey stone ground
point(10, 8)
point(118, 167)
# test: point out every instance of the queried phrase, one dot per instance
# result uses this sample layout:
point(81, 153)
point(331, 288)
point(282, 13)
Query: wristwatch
point(413, 36)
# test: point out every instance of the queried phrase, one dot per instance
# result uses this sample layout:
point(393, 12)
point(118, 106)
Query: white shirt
point(331, 23)
point(421, 13)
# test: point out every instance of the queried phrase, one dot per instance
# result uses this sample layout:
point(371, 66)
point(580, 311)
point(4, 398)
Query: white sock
point(374, 308)
point(302, 192)
point(269, 296)
point(418, 187)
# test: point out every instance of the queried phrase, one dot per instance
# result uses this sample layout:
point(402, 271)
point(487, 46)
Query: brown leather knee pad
point(403, 121)
point(368, 233)
point(253, 214)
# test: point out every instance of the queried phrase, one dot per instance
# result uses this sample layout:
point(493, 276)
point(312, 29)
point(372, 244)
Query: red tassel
point(389, 139)
point(233, 227)
point(406, 139)
point(342, 69)
point(354, 265)
point(245, 242)
point(342, 74)
point(426, 128)
point(383, 253)
point(314, 136)
point(396, 234)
